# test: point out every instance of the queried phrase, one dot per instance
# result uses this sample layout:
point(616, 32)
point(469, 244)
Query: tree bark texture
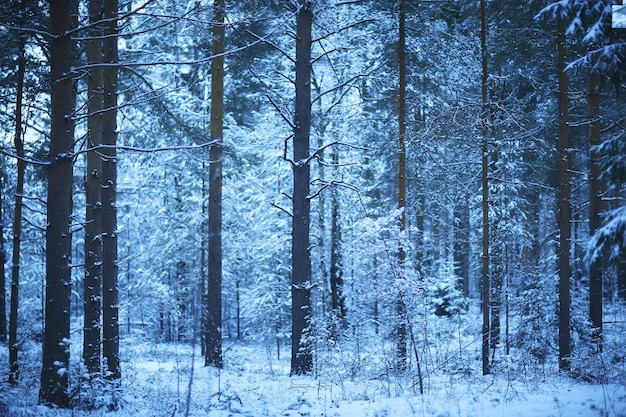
point(3, 257)
point(338, 303)
point(55, 355)
point(596, 191)
point(485, 281)
point(213, 353)
point(401, 330)
point(461, 246)
point(92, 286)
point(564, 209)
point(17, 220)
point(110, 308)
point(621, 279)
point(301, 353)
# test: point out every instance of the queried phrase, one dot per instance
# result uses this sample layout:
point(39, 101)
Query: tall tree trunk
point(17, 219)
point(336, 261)
point(203, 271)
point(596, 190)
point(110, 308)
point(214, 324)
point(301, 344)
point(461, 246)
point(401, 330)
point(56, 350)
point(564, 208)
point(92, 288)
point(485, 282)
point(3, 258)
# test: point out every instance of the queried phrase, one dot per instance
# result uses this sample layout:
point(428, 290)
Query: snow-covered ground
point(158, 381)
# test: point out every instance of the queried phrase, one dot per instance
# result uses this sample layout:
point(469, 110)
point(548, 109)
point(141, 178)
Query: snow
point(619, 17)
point(157, 377)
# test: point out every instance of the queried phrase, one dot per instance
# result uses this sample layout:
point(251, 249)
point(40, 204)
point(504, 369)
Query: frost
point(618, 17)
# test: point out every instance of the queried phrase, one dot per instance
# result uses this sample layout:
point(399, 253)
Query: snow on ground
point(157, 378)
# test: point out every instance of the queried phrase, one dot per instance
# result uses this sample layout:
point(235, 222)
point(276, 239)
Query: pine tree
point(92, 286)
point(213, 350)
point(564, 208)
point(301, 354)
point(56, 354)
point(110, 290)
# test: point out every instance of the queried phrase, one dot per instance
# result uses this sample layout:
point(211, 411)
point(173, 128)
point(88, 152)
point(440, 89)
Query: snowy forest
point(313, 208)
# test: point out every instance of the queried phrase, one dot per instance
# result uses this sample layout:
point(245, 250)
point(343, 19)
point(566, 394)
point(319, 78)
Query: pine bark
point(596, 191)
point(564, 209)
point(3, 257)
point(401, 330)
point(92, 286)
point(17, 220)
point(213, 354)
point(485, 281)
point(461, 247)
point(621, 279)
point(56, 354)
point(338, 303)
point(301, 349)
point(110, 291)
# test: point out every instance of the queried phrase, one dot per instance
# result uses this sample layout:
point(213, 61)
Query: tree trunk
point(485, 282)
point(596, 190)
point(110, 308)
point(3, 257)
point(338, 303)
point(56, 354)
point(461, 246)
point(301, 344)
point(203, 271)
point(563, 203)
point(621, 278)
point(17, 220)
point(401, 348)
point(214, 324)
point(92, 288)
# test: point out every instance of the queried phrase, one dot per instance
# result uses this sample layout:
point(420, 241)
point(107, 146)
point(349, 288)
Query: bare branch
point(316, 154)
point(280, 111)
point(329, 34)
point(346, 83)
point(281, 209)
point(332, 183)
point(150, 150)
point(266, 41)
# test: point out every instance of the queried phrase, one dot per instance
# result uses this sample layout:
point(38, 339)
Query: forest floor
point(170, 380)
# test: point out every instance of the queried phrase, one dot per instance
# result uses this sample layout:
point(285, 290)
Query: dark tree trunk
point(56, 354)
point(401, 348)
point(621, 278)
point(461, 246)
point(17, 220)
point(563, 203)
point(596, 190)
point(485, 282)
point(203, 271)
point(214, 323)
point(301, 353)
point(336, 261)
point(110, 308)
point(3, 258)
point(92, 288)
point(497, 267)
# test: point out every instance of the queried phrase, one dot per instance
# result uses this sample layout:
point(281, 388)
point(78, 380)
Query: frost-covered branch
point(280, 111)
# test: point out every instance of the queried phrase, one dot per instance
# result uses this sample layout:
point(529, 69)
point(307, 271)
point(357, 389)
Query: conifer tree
point(56, 343)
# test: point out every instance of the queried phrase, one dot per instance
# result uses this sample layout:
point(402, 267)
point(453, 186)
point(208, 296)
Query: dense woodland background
point(405, 98)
